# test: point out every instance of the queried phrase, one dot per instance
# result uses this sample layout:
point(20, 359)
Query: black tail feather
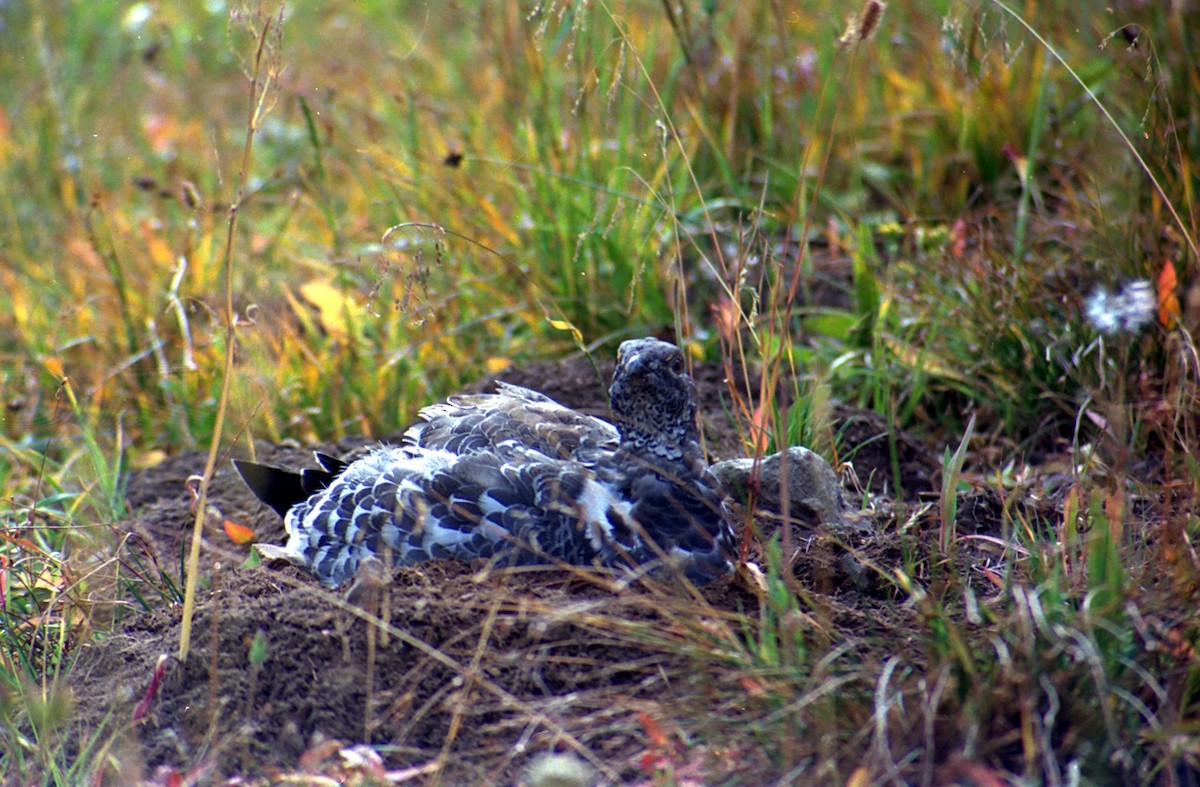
point(333, 466)
point(280, 489)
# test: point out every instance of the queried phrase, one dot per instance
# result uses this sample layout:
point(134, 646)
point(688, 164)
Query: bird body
point(519, 479)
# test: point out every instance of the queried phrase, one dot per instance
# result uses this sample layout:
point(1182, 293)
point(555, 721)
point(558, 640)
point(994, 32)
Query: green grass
point(626, 170)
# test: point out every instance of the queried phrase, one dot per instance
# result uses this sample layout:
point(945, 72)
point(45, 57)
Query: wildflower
point(1128, 309)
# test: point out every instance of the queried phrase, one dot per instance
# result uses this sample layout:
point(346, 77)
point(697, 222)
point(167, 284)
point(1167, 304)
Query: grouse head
point(653, 399)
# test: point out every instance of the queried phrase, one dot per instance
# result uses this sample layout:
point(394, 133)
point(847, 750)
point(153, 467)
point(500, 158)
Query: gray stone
point(797, 476)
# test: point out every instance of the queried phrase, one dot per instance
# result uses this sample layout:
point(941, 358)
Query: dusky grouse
point(517, 478)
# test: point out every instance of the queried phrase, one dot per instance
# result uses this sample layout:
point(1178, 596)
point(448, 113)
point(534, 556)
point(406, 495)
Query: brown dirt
point(552, 662)
point(479, 672)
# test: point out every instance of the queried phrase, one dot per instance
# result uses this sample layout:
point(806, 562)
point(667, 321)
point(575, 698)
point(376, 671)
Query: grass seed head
point(862, 26)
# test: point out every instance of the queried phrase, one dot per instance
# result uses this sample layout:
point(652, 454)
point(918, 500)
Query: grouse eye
point(677, 364)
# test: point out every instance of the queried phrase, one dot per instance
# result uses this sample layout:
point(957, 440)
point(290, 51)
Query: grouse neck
point(673, 445)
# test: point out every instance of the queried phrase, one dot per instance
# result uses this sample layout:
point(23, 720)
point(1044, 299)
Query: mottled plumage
point(519, 479)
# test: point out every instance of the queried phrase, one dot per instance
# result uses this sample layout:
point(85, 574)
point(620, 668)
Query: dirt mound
point(476, 671)
point(487, 669)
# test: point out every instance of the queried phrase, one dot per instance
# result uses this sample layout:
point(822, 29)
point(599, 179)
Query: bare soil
point(479, 672)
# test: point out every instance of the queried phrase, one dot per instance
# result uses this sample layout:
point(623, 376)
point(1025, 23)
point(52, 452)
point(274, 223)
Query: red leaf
point(654, 732)
point(752, 687)
point(648, 762)
point(1168, 301)
point(958, 238)
point(238, 534)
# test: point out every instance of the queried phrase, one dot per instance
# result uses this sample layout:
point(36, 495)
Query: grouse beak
point(631, 362)
point(634, 368)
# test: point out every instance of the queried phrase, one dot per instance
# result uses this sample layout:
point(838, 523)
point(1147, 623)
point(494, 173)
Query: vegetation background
point(224, 221)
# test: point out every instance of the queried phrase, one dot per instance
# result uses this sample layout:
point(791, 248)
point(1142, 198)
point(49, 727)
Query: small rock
point(559, 770)
point(812, 491)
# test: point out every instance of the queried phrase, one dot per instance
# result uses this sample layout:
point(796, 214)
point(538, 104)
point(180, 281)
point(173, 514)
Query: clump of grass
point(49, 606)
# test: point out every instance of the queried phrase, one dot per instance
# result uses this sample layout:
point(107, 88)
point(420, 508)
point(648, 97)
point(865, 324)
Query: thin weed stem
point(264, 71)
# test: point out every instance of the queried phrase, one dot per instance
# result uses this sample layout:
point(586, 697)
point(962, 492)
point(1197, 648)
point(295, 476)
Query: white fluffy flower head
point(1127, 310)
